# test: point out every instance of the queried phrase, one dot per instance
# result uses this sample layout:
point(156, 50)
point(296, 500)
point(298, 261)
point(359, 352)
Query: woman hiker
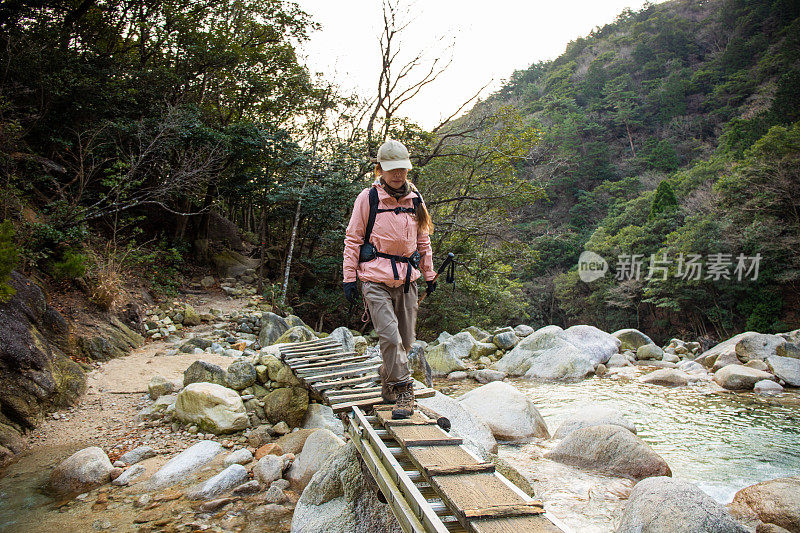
point(387, 246)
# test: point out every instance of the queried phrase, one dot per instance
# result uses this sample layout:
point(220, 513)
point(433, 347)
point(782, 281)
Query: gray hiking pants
point(394, 315)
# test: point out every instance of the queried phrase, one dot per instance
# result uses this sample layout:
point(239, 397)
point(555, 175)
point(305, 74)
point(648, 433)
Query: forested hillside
point(143, 141)
point(672, 130)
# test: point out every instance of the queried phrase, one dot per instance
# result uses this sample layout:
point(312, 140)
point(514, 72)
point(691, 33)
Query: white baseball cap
point(393, 154)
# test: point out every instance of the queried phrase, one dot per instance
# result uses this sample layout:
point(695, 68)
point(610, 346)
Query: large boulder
point(418, 363)
point(204, 372)
point(593, 416)
point(36, 373)
point(186, 463)
point(594, 342)
point(190, 316)
point(159, 386)
point(767, 387)
point(277, 372)
point(649, 352)
point(475, 433)
point(612, 449)
point(739, 377)
point(631, 338)
point(273, 326)
point(505, 340)
point(140, 453)
point(113, 339)
point(447, 356)
point(477, 333)
point(482, 349)
point(792, 343)
point(321, 416)
point(508, 413)
point(666, 505)
point(297, 334)
point(271, 467)
point(776, 502)
point(342, 498)
point(214, 408)
point(742, 348)
point(233, 476)
point(316, 450)
point(80, 472)
point(785, 368)
point(344, 337)
point(523, 330)
point(288, 404)
point(548, 354)
point(669, 377)
point(293, 442)
point(230, 264)
point(759, 346)
point(241, 374)
point(487, 375)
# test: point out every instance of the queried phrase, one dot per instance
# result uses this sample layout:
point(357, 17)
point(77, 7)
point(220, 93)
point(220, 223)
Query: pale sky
point(491, 39)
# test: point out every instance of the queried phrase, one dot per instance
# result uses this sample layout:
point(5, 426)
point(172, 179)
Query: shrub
point(8, 258)
point(73, 265)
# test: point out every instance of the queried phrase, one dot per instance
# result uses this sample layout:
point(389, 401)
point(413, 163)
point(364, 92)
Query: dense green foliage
point(8, 259)
point(671, 130)
point(132, 132)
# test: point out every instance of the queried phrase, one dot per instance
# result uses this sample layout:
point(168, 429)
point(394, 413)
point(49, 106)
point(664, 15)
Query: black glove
point(431, 288)
point(350, 291)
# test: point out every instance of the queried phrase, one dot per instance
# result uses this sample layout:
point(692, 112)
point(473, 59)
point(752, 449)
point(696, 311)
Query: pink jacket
point(394, 234)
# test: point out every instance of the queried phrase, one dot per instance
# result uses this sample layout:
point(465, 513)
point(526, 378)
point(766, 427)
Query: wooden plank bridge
point(432, 483)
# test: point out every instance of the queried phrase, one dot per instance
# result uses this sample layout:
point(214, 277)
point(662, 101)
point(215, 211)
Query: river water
point(719, 440)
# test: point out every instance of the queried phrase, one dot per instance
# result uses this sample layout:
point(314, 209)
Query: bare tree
point(152, 173)
point(316, 122)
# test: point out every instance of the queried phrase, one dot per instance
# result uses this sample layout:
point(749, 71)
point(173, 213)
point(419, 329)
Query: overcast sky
point(492, 38)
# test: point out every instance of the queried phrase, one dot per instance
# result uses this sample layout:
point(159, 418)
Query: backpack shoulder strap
point(416, 201)
point(373, 211)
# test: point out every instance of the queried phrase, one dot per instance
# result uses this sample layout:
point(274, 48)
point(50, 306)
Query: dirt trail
point(105, 417)
point(114, 391)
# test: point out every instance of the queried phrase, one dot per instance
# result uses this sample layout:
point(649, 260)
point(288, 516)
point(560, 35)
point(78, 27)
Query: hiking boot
point(405, 400)
point(388, 393)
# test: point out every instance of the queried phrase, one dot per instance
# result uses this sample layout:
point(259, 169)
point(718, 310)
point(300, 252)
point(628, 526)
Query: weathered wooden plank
point(348, 392)
point(417, 418)
point(362, 404)
point(505, 511)
point(353, 397)
point(534, 524)
point(336, 368)
point(421, 435)
point(458, 469)
point(317, 362)
point(343, 374)
point(372, 400)
point(323, 350)
point(312, 342)
point(338, 384)
point(444, 457)
point(467, 495)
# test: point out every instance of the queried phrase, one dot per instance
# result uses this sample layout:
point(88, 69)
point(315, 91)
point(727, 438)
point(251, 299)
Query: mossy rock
point(297, 334)
point(190, 316)
point(287, 404)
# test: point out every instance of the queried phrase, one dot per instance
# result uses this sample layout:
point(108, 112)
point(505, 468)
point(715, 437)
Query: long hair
point(423, 217)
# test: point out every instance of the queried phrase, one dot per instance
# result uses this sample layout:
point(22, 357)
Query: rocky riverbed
point(204, 429)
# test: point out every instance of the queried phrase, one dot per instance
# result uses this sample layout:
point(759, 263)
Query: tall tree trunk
point(630, 139)
point(262, 246)
point(291, 244)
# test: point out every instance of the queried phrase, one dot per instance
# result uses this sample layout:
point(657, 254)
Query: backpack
point(373, 210)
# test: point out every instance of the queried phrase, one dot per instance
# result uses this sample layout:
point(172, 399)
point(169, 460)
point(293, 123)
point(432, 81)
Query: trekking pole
point(447, 262)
